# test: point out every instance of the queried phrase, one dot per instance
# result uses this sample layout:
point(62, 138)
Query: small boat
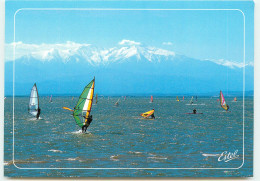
point(151, 100)
point(223, 103)
point(81, 111)
point(34, 108)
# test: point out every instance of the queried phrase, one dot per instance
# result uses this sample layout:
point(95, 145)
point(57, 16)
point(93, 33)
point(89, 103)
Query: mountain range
point(126, 69)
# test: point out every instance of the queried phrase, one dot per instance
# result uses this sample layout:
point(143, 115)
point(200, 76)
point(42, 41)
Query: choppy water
point(119, 138)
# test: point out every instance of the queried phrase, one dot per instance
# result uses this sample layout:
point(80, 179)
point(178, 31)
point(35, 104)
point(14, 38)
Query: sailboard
point(33, 107)
point(147, 114)
point(223, 103)
point(183, 98)
point(82, 110)
point(235, 99)
point(50, 99)
point(151, 99)
point(177, 99)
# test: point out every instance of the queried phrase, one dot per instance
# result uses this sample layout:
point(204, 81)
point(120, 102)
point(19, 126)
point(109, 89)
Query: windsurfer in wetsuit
point(194, 111)
point(152, 115)
point(85, 127)
point(38, 113)
point(227, 108)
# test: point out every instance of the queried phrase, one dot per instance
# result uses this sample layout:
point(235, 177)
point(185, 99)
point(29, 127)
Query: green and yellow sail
point(83, 107)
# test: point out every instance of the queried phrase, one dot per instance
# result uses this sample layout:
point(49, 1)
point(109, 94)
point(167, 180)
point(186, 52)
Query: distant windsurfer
point(87, 123)
point(194, 111)
point(38, 113)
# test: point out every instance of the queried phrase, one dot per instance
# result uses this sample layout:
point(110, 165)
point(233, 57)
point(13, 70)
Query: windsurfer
point(227, 107)
point(152, 115)
point(85, 127)
point(38, 113)
point(194, 111)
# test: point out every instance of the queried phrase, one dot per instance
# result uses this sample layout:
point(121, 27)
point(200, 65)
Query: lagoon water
point(120, 143)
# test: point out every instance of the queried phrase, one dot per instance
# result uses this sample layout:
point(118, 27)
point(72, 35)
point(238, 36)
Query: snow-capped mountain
point(129, 67)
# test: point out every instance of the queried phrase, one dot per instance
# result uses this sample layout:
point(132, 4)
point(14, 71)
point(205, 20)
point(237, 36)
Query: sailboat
point(177, 99)
point(33, 107)
point(223, 103)
point(81, 111)
point(117, 102)
point(151, 99)
point(50, 99)
point(96, 98)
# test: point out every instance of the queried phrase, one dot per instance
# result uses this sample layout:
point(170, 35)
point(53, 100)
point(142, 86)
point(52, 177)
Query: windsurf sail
point(191, 101)
point(235, 99)
point(83, 107)
point(223, 102)
point(117, 102)
point(50, 99)
point(177, 99)
point(96, 98)
point(183, 98)
point(147, 114)
point(151, 99)
point(33, 108)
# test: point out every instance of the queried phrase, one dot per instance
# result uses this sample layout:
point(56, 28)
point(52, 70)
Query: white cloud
point(129, 42)
point(167, 43)
point(231, 64)
point(42, 51)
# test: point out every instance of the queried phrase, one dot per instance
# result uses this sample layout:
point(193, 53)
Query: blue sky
point(197, 34)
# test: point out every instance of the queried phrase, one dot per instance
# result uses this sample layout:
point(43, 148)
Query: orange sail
point(151, 99)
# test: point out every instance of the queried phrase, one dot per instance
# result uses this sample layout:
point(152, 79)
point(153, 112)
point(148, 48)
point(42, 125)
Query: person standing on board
point(38, 113)
point(152, 115)
point(194, 111)
point(85, 127)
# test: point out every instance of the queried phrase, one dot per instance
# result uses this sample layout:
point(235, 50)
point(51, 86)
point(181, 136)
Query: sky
point(215, 34)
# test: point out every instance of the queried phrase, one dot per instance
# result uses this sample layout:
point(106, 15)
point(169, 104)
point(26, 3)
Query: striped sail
point(223, 102)
point(84, 104)
point(33, 107)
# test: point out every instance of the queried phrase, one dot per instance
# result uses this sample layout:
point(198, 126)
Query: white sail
point(34, 101)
